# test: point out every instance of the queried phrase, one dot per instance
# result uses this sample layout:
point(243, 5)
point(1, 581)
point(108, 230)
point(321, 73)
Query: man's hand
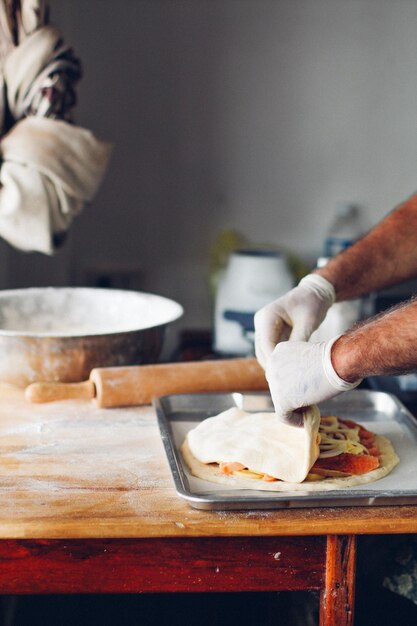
point(300, 374)
point(296, 315)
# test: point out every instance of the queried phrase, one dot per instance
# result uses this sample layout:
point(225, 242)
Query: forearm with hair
point(382, 345)
point(387, 255)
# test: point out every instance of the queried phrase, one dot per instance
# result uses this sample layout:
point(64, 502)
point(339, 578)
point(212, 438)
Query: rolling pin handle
point(52, 392)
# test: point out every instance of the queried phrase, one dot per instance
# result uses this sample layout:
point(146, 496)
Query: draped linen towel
point(28, 66)
point(50, 168)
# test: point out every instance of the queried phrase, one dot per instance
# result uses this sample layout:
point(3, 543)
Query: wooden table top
point(71, 470)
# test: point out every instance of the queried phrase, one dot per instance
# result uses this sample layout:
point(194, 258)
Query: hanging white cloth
point(50, 168)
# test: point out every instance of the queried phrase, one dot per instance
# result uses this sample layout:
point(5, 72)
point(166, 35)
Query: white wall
point(259, 115)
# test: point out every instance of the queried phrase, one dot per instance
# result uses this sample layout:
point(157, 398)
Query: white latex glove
point(295, 315)
point(300, 374)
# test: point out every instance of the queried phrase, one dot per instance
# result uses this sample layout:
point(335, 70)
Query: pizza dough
point(214, 439)
point(259, 441)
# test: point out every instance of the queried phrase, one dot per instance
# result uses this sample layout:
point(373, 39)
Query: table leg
point(337, 598)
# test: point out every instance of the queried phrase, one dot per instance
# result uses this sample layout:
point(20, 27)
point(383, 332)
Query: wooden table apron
point(232, 564)
point(87, 505)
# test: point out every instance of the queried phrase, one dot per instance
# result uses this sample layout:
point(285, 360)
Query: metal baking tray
point(379, 411)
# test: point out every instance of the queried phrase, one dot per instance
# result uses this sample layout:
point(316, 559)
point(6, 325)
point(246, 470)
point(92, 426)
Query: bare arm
point(385, 256)
point(385, 344)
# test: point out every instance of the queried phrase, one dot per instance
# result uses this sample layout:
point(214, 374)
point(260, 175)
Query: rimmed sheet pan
point(381, 412)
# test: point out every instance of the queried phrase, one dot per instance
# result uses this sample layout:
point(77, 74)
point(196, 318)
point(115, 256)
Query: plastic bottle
point(344, 230)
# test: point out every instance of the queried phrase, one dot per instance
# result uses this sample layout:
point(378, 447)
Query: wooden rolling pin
point(139, 384)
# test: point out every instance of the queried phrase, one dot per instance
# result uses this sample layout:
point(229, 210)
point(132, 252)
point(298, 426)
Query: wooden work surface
point(70, 470)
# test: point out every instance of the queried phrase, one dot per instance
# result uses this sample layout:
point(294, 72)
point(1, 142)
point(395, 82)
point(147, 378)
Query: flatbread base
point(211, 473)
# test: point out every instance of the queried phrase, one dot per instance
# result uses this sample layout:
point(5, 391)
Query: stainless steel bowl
point(62, 333)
